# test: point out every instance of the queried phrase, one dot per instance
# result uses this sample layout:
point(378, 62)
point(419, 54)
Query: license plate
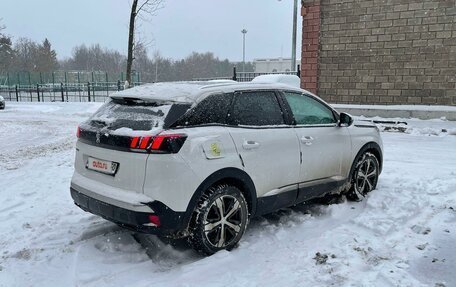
point(103, 166)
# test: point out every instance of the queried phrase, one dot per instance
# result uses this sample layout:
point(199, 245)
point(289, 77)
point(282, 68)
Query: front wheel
point(219, 220)
point(365, 176)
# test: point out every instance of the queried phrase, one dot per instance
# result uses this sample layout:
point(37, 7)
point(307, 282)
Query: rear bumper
point(171, 222)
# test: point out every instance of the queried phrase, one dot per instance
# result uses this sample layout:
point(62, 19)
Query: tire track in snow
point(14, 160)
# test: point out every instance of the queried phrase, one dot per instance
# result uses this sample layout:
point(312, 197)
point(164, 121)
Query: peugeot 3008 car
point(199, 159)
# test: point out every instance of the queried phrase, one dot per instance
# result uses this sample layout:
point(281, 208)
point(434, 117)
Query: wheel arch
point(232, 176)
point(372, 147)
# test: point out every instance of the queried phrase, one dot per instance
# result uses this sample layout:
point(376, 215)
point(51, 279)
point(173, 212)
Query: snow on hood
point(173, 92)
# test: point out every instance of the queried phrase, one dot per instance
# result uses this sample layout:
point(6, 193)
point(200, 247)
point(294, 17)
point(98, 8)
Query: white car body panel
point(271, 156)
point(110, 194)
point(130, 173)
point(192, 168)
point(170, 180)
point(362, 133)
point(325, 151)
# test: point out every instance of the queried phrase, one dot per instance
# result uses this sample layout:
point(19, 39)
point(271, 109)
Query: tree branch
point(140, 7)
point(150, 7)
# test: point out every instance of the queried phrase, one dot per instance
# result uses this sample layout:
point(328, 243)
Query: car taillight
point(169, 143)
point(155, 220)
point(78, 132)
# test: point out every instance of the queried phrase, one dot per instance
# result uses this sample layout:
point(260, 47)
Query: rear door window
point(212, 110)
point(257, 108)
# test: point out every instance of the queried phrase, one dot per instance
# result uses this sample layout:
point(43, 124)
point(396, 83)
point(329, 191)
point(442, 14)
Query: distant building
point(273, 65)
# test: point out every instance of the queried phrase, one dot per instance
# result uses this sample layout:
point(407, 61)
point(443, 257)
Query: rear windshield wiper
point(99, 123)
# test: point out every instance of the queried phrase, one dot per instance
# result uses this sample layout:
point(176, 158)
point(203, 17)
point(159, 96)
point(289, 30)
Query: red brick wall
point(380, 52)
point(310, 12)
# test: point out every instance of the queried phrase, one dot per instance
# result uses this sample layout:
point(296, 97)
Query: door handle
point(250, 145)
point(307, 140)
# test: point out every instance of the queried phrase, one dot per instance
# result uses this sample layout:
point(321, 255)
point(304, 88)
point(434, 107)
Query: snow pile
point(423, 108)
point(403, 234)
point(436, 127)
point(289, 80)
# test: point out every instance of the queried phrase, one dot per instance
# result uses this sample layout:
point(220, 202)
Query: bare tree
point(139, 9)
point(6, 51)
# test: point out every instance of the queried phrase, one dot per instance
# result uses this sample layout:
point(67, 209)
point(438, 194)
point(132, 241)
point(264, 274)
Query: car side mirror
point(345, 120)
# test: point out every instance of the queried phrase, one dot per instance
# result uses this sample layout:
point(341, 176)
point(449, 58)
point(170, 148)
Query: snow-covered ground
point(404, 234)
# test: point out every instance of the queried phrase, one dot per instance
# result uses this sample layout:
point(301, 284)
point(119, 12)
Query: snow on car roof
point(169, 91)
point(291, 80)
point(190, 92)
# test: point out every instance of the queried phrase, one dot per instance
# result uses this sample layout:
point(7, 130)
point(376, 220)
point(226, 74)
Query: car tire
point(219, 220)
point(364, 177)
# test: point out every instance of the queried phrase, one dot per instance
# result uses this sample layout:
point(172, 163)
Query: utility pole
point(293, 45)
point(244, 31)
point(156, 71)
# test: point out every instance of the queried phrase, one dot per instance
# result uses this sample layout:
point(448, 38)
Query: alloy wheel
point(223, 221)
point(366, 177)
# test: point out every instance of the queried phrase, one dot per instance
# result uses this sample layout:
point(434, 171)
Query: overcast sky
point(181, 27)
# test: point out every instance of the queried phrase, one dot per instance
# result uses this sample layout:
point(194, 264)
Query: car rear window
point(122, 116)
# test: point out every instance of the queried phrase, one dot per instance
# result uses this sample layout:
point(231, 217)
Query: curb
point(418, 112)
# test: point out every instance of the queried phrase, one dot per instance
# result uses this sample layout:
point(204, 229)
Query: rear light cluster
point(169, 143)
point(161, 143)
point(154, 219)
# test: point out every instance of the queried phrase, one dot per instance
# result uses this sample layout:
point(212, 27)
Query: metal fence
point(248, 76)
point(32, 78)
point(64, 86)
point(83, 86)
point(62, 92)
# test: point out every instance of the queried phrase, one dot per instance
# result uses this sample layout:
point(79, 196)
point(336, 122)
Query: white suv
point(198, 159)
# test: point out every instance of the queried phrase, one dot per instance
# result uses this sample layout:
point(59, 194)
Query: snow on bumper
point(137, 221)
point(125, 208)
point(115, 196)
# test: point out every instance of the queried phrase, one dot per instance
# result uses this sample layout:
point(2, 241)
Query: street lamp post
point(293, 45)
point(244, 31)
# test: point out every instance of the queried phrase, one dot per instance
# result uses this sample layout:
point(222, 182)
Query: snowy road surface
point(404, 234)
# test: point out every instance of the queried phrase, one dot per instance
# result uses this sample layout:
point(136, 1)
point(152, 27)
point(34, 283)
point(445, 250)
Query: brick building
point(380, 51)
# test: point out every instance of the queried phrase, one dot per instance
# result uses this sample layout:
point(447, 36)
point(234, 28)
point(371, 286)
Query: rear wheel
point(220, 220)
point(365, 176)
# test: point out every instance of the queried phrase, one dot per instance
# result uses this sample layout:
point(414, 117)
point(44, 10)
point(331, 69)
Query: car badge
point(98, 137)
